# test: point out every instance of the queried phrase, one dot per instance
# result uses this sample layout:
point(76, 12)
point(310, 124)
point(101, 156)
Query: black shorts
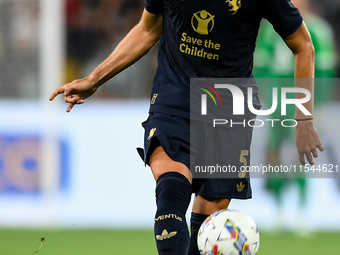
point(173, 134)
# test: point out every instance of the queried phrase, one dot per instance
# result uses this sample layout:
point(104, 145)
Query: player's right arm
point(135, 45)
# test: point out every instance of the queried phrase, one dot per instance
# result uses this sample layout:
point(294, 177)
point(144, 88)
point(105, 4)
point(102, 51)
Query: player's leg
point(173, 194)
point(301, 223)
point(202, 208)
point(167, 152)
point(214, 191)
point(275, 183)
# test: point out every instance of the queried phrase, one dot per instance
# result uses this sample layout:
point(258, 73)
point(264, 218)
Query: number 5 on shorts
point(243, 160)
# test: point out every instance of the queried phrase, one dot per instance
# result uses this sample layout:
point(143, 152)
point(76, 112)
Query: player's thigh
point(207, 206)
point(160, 163)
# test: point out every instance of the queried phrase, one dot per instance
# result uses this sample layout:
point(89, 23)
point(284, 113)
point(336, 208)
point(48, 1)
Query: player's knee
point(173, 188)
point(208, 205)
point(161, 164)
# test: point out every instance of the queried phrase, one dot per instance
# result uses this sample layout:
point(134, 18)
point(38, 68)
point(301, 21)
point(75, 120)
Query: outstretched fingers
point(310, 154)
point(320, 146)
point(69, 96)
point(73, 100)
point(56, 92)
point(308, 142)
point(70, 106)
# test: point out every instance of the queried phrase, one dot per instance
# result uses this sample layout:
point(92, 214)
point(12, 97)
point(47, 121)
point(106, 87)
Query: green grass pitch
point(105, 242)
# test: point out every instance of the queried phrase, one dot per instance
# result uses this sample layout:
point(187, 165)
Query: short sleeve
point(283, 15)
point(153, 6)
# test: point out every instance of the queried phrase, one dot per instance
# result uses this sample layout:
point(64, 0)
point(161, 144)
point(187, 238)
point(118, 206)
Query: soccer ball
point(228, 232)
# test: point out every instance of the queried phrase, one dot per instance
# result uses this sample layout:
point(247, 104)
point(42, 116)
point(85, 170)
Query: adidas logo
point(240, 187)
point(165, 235)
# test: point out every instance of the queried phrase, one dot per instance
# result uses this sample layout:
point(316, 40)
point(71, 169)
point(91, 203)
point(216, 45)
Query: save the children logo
point(202, 22)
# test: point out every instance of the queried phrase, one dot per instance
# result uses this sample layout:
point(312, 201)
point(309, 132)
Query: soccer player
point(199, 39)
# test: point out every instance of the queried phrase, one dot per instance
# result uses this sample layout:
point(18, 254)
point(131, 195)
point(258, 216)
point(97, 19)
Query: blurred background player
point(274, 60)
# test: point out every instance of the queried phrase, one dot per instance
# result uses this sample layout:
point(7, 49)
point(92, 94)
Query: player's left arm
point(306, 137)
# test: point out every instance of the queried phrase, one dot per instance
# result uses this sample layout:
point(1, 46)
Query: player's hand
point(75, 92)
point(307, 141)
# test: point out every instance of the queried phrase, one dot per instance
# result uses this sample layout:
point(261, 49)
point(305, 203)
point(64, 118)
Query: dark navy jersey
point(216, 38)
